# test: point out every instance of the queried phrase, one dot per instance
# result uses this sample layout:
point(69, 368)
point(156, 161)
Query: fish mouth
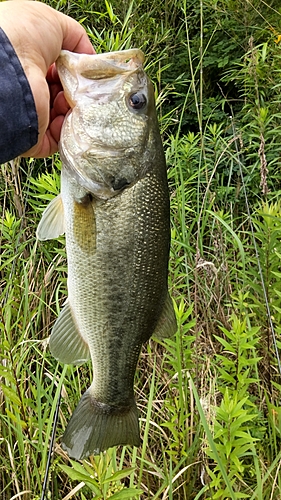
point(99, 66)
point(113, 63)
point(95, 67)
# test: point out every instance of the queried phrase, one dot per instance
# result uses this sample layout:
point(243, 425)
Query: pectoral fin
point(167, 324)
point(51, 225)
point(66, 343)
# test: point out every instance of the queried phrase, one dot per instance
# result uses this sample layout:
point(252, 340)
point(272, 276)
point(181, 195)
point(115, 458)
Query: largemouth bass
point(114, 211)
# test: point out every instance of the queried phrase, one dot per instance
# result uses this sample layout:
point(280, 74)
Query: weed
point(209, 398)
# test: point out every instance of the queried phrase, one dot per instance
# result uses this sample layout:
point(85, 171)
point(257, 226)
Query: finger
point(52, 75)
point(60, 104)
point(75, 37)
point(55, 127)
point(47, 146)
point(55, 89)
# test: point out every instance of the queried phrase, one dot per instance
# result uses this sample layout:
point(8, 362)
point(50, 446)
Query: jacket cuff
point(18, 116)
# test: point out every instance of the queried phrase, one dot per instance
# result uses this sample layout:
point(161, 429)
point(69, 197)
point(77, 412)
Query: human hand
point(38, 33)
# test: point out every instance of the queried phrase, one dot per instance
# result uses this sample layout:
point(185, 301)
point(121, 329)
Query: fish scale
point(114, 210)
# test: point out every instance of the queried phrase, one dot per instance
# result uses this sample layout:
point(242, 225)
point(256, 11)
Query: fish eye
point(137, 101)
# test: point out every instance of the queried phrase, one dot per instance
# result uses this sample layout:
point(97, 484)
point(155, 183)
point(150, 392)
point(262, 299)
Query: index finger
point(75, 37)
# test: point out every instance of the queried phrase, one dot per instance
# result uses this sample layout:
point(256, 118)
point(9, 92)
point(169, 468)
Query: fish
point(113, 208)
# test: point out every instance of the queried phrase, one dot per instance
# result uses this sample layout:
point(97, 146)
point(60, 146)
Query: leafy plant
point(233, 418)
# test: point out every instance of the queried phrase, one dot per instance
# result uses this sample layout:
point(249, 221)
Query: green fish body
point(114, 211)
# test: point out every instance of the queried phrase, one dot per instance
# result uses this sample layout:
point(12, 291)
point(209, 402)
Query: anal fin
point(66, 343)
point(167, 324)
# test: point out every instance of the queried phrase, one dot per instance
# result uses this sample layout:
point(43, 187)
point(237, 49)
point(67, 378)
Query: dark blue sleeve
point(18, 116)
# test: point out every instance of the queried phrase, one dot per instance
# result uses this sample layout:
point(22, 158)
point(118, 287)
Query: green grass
point(209, 398)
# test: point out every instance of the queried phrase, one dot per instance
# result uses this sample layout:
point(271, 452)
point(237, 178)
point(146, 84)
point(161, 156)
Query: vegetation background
point(209, 398)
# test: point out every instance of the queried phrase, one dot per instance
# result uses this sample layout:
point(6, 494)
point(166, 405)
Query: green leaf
point(120, 474)
point(229, 347)
point(126, 493)
point(11, 395)
point(16, 418)
point(78, 476)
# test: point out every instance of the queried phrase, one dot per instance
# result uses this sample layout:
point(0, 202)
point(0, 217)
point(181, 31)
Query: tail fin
point(94, 427)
